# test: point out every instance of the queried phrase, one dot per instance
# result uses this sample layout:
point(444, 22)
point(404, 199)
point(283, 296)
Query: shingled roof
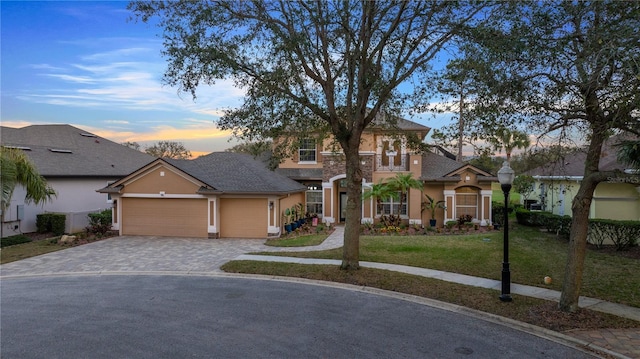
point(230, 172)
point(67, 151)
point(573, 164)
point(436, 167)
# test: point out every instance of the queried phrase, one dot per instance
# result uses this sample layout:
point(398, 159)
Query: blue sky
point(85, 63)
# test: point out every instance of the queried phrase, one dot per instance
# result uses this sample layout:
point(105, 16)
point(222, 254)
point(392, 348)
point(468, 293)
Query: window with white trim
point(467, 204)
point(391, 205)
point(314, 200)
point(307, 150)
point(109, 199)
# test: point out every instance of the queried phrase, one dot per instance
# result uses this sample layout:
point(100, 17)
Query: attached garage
point(220, 195)
point(176, 217)
point(243, 217)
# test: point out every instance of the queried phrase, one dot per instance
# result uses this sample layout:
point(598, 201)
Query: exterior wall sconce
point(270, 204)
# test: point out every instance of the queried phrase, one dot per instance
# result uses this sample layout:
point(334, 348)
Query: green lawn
point(27, 250)
point(533, 255)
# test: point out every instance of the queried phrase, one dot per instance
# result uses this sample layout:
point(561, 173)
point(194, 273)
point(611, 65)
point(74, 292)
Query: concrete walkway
point(621, 341)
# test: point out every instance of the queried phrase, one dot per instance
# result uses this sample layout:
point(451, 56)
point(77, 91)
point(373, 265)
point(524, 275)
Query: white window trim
point(109, 197)
point(315, 151)
point(392, 202)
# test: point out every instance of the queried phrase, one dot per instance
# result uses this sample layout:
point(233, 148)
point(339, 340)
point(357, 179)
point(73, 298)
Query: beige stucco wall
point(619, 201)
point(435, 190)
point(160, 179)
point(289, 201)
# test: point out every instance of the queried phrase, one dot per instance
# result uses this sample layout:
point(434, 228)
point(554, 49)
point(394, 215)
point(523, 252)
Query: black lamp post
point(505, 177)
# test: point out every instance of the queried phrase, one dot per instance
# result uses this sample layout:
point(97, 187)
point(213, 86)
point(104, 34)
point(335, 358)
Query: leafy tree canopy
point(169, 149)
point(560, 68)
point(330, 67)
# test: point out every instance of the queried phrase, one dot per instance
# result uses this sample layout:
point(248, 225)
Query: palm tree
point(17, 169)
point(432, 205)
point(629, 153)
point(379, 191)
point(402, 183)
point(510, 140)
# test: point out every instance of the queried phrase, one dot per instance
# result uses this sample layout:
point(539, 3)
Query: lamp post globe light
point(506, 176)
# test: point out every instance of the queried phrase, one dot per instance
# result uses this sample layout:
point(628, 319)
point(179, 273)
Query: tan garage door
point(175, 217)
point(243, 218)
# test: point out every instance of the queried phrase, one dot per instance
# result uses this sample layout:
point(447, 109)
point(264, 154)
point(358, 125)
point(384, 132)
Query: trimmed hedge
point(51, 222)
point(497, 212)
point(13, 240)
point(623, 234)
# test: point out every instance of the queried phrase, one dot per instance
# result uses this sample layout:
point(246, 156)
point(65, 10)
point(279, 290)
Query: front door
point(343, 206)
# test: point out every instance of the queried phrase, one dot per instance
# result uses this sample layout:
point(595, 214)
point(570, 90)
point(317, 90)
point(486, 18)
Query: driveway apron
point(135, 254)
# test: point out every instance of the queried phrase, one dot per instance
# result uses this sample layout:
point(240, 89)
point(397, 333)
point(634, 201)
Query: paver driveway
point(149, 254)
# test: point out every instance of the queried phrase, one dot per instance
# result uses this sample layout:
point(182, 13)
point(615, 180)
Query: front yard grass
point(301, 241)
point(26, 250)
point(532, 254)
point(526, 309)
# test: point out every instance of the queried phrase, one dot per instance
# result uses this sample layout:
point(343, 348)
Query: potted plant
point(432, 205)
point(294, 217)
point(287, 220)
point(300, 214)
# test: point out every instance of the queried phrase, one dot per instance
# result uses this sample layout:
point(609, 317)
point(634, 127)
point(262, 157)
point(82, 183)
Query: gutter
point(565, 178)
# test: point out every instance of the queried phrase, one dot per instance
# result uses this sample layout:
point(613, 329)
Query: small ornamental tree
point(524, 184)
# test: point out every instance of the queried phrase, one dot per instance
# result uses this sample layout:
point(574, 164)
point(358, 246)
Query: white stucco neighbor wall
point(76, 198)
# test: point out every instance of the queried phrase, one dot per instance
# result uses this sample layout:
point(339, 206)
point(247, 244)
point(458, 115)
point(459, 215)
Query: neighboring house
point(223, 194)
point(557, 184)
point(74, 162)
point(383, 153)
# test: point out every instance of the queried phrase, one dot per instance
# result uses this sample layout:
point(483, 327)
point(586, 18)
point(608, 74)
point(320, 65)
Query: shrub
point(58, 223)
point(13, 240)
point(465, 218)
point(51, 222)
point(497, 212)
point(100, 222)
point(623, 234)
point(43, 222)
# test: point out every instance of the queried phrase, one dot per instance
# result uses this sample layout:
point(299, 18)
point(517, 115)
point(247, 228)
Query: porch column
point(450, 202)
point(485, 207)
point(327, 202)
point(366, 219)
point(213, 216)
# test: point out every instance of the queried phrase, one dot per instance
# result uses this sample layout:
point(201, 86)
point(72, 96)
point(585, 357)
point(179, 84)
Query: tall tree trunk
point(579, 226)
point(460, 125)
point(351, 248)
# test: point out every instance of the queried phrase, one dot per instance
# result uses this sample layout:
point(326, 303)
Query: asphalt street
point(176, 316)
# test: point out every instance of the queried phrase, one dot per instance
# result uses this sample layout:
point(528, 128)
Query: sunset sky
point(87, 64)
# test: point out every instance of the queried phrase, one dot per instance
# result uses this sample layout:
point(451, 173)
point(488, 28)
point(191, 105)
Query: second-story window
point(307, 151)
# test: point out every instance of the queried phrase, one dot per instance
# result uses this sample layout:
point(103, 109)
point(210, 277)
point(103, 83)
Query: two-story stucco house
point(383, 154)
